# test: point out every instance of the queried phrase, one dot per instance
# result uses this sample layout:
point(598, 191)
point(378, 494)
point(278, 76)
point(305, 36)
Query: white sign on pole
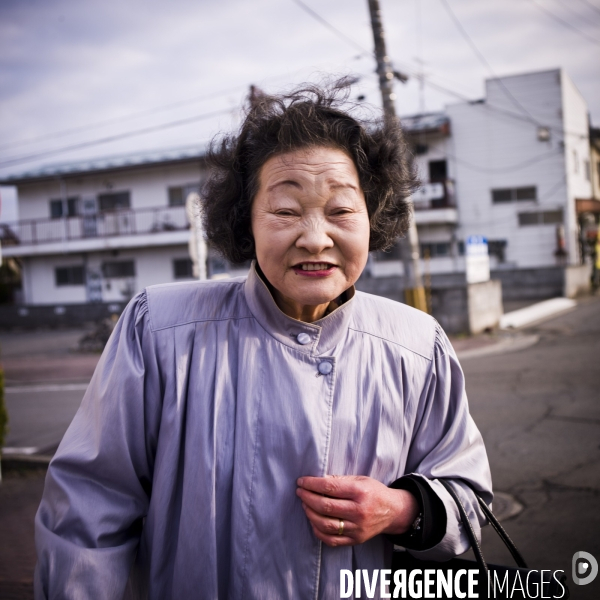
point(197, 244)
point(477, 259)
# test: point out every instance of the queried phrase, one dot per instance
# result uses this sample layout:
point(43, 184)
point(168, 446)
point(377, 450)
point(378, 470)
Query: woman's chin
point(315, 294)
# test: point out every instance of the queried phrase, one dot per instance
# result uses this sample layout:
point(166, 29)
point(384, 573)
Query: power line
point(516, 167)
point(419, 75)
point(112, 138)
point(566, 23)
point(484, 61)
point(332, 28)
point(150, 111)
point(70, 131)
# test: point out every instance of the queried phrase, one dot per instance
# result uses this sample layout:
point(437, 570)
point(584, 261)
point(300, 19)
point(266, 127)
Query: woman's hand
point(366, 507)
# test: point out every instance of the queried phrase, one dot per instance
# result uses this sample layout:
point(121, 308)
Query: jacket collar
point(324, 334)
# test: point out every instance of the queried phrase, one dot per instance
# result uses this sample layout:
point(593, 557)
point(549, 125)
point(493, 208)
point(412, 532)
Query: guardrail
point(103, 224)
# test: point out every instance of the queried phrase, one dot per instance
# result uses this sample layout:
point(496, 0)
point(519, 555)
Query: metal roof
point(109, 163)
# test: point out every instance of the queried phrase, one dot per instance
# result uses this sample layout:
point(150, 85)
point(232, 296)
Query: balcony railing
point(434, 195)
point(100, 225)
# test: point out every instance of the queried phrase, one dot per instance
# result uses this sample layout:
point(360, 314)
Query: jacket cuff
point(432, 509)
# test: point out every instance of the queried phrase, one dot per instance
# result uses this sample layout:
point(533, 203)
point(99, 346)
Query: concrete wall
point(539, 284)
point(459, 308)
point(530, 284)
point(577, 280)
point(484, 305)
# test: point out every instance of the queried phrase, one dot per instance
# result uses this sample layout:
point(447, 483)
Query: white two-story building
point(102, 230)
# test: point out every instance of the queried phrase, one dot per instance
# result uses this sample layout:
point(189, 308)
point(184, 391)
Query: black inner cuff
point(433, 524)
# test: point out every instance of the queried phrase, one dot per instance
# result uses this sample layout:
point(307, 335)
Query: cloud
point(66, 64)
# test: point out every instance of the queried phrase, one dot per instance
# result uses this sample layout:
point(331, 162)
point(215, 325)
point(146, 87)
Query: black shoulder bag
point(456, 577)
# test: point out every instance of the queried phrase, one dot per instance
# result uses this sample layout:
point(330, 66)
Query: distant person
point(249, 438)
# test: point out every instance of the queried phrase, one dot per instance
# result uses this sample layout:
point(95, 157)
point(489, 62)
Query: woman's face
point(310, 227)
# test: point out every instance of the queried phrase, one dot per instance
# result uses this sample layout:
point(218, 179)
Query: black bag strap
point(468, 527)
point(501, 532)
point(493, 522)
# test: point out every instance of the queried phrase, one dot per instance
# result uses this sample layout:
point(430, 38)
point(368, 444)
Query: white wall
point(437, 149)
point(9, 211)
point(152, 266)
point(495, 145)
point(577, 151)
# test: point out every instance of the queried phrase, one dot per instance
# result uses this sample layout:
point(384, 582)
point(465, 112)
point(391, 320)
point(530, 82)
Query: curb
point(508, 344)
point(536, 313)
point(19, 462)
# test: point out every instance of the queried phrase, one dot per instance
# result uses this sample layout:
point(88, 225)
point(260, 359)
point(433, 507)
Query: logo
point(585, 568)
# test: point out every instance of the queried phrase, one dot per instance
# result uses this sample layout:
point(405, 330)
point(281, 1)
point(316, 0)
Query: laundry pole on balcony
point(197, 244)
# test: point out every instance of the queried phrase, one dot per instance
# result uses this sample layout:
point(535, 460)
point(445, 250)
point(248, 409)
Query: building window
point(497, 248)
point(519, 194)
point(394, 253)
point(114, 201)
point(435, 249)
point(178, 194)
point(183, 268)
point(587, 170)
point(438, 170)
point(118, 268)
point(57, 208)
point(74, 275)
point(546, 217)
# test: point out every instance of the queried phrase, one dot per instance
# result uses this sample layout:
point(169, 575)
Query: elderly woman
point(250, 438)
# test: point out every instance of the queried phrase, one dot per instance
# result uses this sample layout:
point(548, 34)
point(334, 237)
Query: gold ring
point(341, 527)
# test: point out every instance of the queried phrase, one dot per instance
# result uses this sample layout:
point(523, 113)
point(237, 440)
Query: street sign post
point(477, 259)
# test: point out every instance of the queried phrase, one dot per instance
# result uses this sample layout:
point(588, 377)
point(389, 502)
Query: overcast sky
point(77, 71)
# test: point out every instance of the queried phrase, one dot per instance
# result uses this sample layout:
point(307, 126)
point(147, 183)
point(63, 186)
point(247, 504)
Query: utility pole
point(414, 294)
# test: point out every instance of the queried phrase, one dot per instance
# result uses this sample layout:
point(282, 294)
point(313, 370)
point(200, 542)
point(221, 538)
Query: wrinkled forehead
point(324, 165)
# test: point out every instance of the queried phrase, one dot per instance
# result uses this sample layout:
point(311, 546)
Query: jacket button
point(325, 367)
point(303, 338)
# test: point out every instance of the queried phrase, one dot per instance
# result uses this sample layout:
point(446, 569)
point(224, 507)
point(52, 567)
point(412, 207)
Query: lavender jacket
point(177, 477)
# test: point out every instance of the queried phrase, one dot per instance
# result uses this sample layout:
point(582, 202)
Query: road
point(539, 412)
point(538, 409)
point(45, 381)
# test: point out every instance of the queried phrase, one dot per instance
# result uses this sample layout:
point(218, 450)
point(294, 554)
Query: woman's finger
point(333, 540)
point(347, 486)
point(343, 509)
point(328, 525)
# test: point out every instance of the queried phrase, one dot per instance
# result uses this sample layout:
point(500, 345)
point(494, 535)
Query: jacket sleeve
point(98, 485)
point(446, 443)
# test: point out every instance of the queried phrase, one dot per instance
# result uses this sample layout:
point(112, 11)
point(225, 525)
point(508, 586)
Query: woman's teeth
point(314, 266)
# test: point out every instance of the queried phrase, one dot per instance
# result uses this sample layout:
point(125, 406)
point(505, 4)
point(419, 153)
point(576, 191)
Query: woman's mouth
point(314, 269)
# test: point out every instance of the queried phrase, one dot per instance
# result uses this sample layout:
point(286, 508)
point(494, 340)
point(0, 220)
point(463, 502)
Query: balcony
point(115, 229)
point(434, 203)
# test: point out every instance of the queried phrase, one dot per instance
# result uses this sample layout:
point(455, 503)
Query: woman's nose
point(314, 236)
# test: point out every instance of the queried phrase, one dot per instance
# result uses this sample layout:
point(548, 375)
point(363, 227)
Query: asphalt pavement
point(534, 393)
point(539, 412)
